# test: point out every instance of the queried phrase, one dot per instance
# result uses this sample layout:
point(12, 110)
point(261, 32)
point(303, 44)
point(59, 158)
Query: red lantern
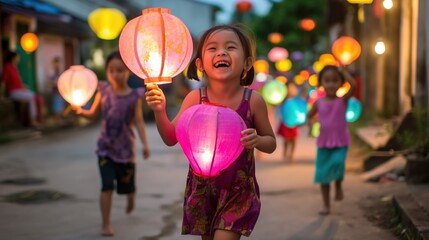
point(346, 49)
point(210, 137)
point(156, 46)
point(307, 24)
point(77, 85)
point(29, 42)
point(243, 6)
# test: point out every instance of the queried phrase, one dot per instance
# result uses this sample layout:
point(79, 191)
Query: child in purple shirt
point(333, 140)
point(121, 109)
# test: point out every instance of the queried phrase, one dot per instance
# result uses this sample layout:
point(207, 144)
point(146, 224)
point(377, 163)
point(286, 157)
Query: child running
point(121, 108)
point(227, 206)
point(333, 140)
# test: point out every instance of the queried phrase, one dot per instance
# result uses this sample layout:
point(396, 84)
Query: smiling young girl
point(227, 206)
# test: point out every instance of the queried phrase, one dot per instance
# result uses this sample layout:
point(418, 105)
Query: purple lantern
point(210, 137)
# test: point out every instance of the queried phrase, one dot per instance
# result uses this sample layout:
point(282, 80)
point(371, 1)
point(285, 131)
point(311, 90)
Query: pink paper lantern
point(210, 137)
point(156, 46)
point(77, 85)
point(277, 53)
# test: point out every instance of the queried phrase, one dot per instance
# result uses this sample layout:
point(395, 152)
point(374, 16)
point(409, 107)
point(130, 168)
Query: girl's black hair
point(248, 46)
point(327, 68)
point(111, 56)
point(10, 55)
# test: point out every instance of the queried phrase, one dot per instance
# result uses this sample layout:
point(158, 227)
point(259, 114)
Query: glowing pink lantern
point(210, 137)
point(277, 53)
point(156, 46)
point(77, 85)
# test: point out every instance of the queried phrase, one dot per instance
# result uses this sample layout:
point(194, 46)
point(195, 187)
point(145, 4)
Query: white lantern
point(77, 85)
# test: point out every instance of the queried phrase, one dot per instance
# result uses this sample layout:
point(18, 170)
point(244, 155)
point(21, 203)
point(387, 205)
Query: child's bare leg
point(226, 235)
point(291, 150)
point(105, 207)
point(325, 195)
point(285, 147)
point(339, 194)
point(130, 203)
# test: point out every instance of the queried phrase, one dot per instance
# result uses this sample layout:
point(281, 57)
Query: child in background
point(289, 134)
point(227, 206)
point(334, 139)
point(58, 103)
point(121, 108)
point(17, 91)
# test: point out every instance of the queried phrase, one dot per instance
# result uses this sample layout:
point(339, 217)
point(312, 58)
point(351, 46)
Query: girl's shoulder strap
point(247, 94)
point(203, 95)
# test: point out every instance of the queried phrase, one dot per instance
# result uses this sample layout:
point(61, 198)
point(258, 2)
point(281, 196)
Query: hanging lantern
point(275, 38)
point(307, 24)
point(313, 80)
point(283, 65)
point(327, 59)
point(277, 53)
point(360, 1)
point(294, 112)
point(29, 42)
point(261, 66)
point(315, 129)
point(354, 110)
point(210, 137)
point(107, 23)
point(77, 85)
point(156, 46)
point(281, 79)
point(243, 6)
point(297, 56)
point(298, 79)
point(346, 49)
point(318, 66)
point(274, 92)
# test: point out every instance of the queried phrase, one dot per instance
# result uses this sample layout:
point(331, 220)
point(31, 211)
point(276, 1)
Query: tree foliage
point(284, 17)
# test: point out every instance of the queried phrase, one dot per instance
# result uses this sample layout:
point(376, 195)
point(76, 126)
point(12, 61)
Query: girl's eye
point(211, 48)
point(231, 47)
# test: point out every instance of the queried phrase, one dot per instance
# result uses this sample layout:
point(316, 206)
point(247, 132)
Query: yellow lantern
point(283, 65)
point(327, 59)
point(107, 23)
point(156, 46)
point(313, 80)
point(261, 66)
point(360, 1)
point(318, 66)
point(298, 79)
point(346, 49)
point(29, 42)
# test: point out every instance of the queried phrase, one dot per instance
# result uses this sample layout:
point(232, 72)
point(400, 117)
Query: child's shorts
point(288, 133)
point(123, 173)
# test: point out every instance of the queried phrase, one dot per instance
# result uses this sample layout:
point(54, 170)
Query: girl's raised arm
point(156, 101)
point(351, 81)
point(93, 111)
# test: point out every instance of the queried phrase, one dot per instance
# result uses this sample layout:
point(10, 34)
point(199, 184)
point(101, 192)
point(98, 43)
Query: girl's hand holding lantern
point(250, 139)
point(155, 97)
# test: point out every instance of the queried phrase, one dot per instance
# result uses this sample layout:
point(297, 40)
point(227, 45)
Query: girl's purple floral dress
point(229, 201)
